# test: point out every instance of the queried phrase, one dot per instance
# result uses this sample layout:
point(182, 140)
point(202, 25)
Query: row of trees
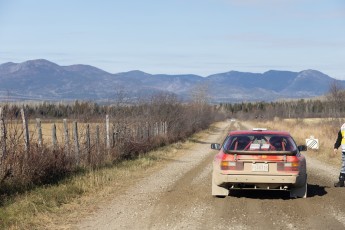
point(331, 105)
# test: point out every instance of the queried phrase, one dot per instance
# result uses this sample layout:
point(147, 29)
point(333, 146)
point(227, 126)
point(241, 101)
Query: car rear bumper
point(263, 181)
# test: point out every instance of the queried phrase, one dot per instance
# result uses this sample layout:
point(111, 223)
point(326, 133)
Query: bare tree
point(121, 96)
point(200, 94)
point(336, 98)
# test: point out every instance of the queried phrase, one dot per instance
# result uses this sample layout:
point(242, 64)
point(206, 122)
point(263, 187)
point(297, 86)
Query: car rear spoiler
point(266, 152)
point(258, 152)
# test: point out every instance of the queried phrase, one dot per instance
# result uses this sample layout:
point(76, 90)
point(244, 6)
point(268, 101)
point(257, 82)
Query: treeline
point(285, 109)
point(184, 118)
point(331, 105)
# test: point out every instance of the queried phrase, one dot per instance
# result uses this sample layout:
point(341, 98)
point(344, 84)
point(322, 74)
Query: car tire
point(306, 190)
point(299, 192)
point(218, 191)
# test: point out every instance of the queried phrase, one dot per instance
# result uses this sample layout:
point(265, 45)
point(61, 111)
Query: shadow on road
point(313, 190)
point(261, 194)
point(316, 190)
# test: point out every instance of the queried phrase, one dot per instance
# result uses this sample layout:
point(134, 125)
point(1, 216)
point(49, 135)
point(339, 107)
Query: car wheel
point(306, 190)
point(218, 191)
point(299, 192)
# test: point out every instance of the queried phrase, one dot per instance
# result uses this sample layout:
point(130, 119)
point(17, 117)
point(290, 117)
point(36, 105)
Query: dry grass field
point(47, 130)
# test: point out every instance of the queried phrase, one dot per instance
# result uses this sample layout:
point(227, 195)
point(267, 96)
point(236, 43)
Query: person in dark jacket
point(341, 142)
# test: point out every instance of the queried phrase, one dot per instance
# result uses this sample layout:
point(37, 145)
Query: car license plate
point(260, 167)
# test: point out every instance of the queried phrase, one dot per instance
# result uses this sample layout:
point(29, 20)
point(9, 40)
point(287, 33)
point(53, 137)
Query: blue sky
point(177, 36)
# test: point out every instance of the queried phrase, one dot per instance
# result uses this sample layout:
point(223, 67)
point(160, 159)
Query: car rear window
point(259, 142)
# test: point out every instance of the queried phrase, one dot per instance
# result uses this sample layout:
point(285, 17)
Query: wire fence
point(26, 145)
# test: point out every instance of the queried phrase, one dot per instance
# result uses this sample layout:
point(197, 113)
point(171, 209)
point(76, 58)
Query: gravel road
point(178, 196)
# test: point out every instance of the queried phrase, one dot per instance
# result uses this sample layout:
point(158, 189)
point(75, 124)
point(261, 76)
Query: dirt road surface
point(178, 196)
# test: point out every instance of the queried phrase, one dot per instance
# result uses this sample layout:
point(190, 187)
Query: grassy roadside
point(49, 205)
point(325, 130)
point(57, 206)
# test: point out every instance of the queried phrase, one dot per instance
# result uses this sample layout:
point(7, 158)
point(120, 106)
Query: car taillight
point(231, 165)
point(288, 166)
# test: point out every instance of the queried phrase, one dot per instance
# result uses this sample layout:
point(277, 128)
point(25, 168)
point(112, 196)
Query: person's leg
point(341, 181)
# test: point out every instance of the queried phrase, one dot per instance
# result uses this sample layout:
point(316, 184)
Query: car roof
point(255, 132)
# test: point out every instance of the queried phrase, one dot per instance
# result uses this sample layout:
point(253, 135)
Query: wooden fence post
point(39, 132)
point(107, 130)
point(54, 139)
point(2, 137)
point(116, 135)
point(148, 127)
point(66, 137)
point(156, 129)
point(97, 140)
point(76, 142)
point(88, 144)
point(161, 128)
point(165, 128)
point(26, 132)
point(112, 137)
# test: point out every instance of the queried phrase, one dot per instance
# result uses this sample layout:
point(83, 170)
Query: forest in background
point(332, 105)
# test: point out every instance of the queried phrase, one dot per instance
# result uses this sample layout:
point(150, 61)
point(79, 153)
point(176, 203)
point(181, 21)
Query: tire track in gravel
point(183, 201)
point(133, 210)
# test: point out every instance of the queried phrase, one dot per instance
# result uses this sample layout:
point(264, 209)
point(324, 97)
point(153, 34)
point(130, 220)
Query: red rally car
point(259, 159)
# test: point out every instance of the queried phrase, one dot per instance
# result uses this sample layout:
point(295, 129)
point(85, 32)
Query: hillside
point(44, 80)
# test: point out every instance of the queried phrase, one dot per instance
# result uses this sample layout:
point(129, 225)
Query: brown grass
point(325, 130)
point(46, 126)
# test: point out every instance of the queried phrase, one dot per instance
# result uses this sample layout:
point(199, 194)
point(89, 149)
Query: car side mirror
point(302, 148)
point(215, 146)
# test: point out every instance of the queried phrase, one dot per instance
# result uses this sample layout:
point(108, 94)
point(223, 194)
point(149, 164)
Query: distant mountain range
point(44, 80)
